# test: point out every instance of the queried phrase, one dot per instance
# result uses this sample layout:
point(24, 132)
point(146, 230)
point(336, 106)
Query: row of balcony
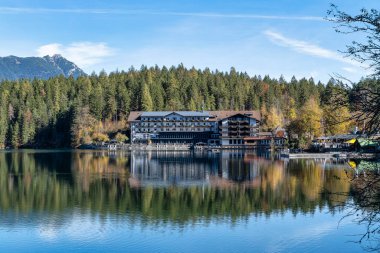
point(174, 125)
point(167, 129)
point(236, 127)
point(239, 131)
point(238, 122)
point(226, 130)
point(172, 120)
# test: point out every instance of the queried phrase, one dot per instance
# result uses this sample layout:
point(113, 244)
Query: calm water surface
point(82, 201)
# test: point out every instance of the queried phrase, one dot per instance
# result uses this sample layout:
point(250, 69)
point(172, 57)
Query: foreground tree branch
point(364, 97)
point(366, 22)
point(363, 100)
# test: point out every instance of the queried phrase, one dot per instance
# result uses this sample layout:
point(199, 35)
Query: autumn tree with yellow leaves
point(274, 118)
point(311, 115)
point(308, 124)
point(336, 120)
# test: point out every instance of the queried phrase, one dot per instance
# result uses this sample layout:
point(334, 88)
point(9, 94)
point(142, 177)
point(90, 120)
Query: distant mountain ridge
point(13, 67)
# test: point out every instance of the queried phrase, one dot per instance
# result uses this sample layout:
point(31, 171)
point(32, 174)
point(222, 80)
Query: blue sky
point(275, 37)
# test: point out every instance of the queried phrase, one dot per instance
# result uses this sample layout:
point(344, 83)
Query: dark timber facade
point(234, 129)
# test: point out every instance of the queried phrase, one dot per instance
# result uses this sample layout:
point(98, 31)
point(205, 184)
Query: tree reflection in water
point(365, 207)
point(166, 187)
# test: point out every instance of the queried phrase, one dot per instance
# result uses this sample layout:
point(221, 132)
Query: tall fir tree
point(146, 99)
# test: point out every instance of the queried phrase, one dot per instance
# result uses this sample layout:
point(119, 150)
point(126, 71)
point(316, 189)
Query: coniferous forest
point(67, 112)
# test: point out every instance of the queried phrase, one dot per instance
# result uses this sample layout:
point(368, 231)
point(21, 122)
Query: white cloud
point(50, 49)
point(350, 70)
point(241, 16)
point(84, 54)
point(16, 10)
point(308, 48)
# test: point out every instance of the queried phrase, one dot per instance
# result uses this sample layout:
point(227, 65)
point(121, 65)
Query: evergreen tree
point(40, 112)
point(15, 138)
point(96, 101)
point(27, 126)
point(3, 118)
point(146, 98)
point(172, 93)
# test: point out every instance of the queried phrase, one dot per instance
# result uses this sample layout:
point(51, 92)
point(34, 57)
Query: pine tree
point(96, 101)
point(15, 132)
point(123, 100)
point(172, 92)
point(146, 99)
point(82, 126)
point(27, 126)
point(3, 118)
point(192, 106)
point(110, 100)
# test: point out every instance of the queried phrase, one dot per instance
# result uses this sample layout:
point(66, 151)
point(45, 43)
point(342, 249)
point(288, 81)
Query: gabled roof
point(214, 115)
point(182, 113)
point(134, 115)
point(219, 115)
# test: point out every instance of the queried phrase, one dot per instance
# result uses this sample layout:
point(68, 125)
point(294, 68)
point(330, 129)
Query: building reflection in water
point(186, 168)
point(174, 188)
point(152, 183)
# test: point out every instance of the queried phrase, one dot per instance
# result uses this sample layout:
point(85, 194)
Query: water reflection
point(365, 207)
point(168, 186)
point(166, 201)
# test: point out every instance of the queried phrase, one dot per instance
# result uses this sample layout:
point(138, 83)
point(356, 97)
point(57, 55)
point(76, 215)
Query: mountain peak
point(54, 56)
point(13, 67)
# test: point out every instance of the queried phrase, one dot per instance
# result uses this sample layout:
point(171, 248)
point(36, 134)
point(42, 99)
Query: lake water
point(96, 201)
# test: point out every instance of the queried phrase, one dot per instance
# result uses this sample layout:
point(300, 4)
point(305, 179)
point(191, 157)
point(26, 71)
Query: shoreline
point(212, 149)
point(339, 155)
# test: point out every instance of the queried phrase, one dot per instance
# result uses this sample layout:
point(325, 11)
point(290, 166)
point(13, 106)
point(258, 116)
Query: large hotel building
point(225, 128)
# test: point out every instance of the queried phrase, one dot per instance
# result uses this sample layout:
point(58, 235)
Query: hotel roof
point(134, 115)
point(219, 115)
point(182, 113)
point(214, 115)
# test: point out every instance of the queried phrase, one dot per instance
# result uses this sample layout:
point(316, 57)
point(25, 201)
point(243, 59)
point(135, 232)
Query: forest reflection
point(176, 187)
